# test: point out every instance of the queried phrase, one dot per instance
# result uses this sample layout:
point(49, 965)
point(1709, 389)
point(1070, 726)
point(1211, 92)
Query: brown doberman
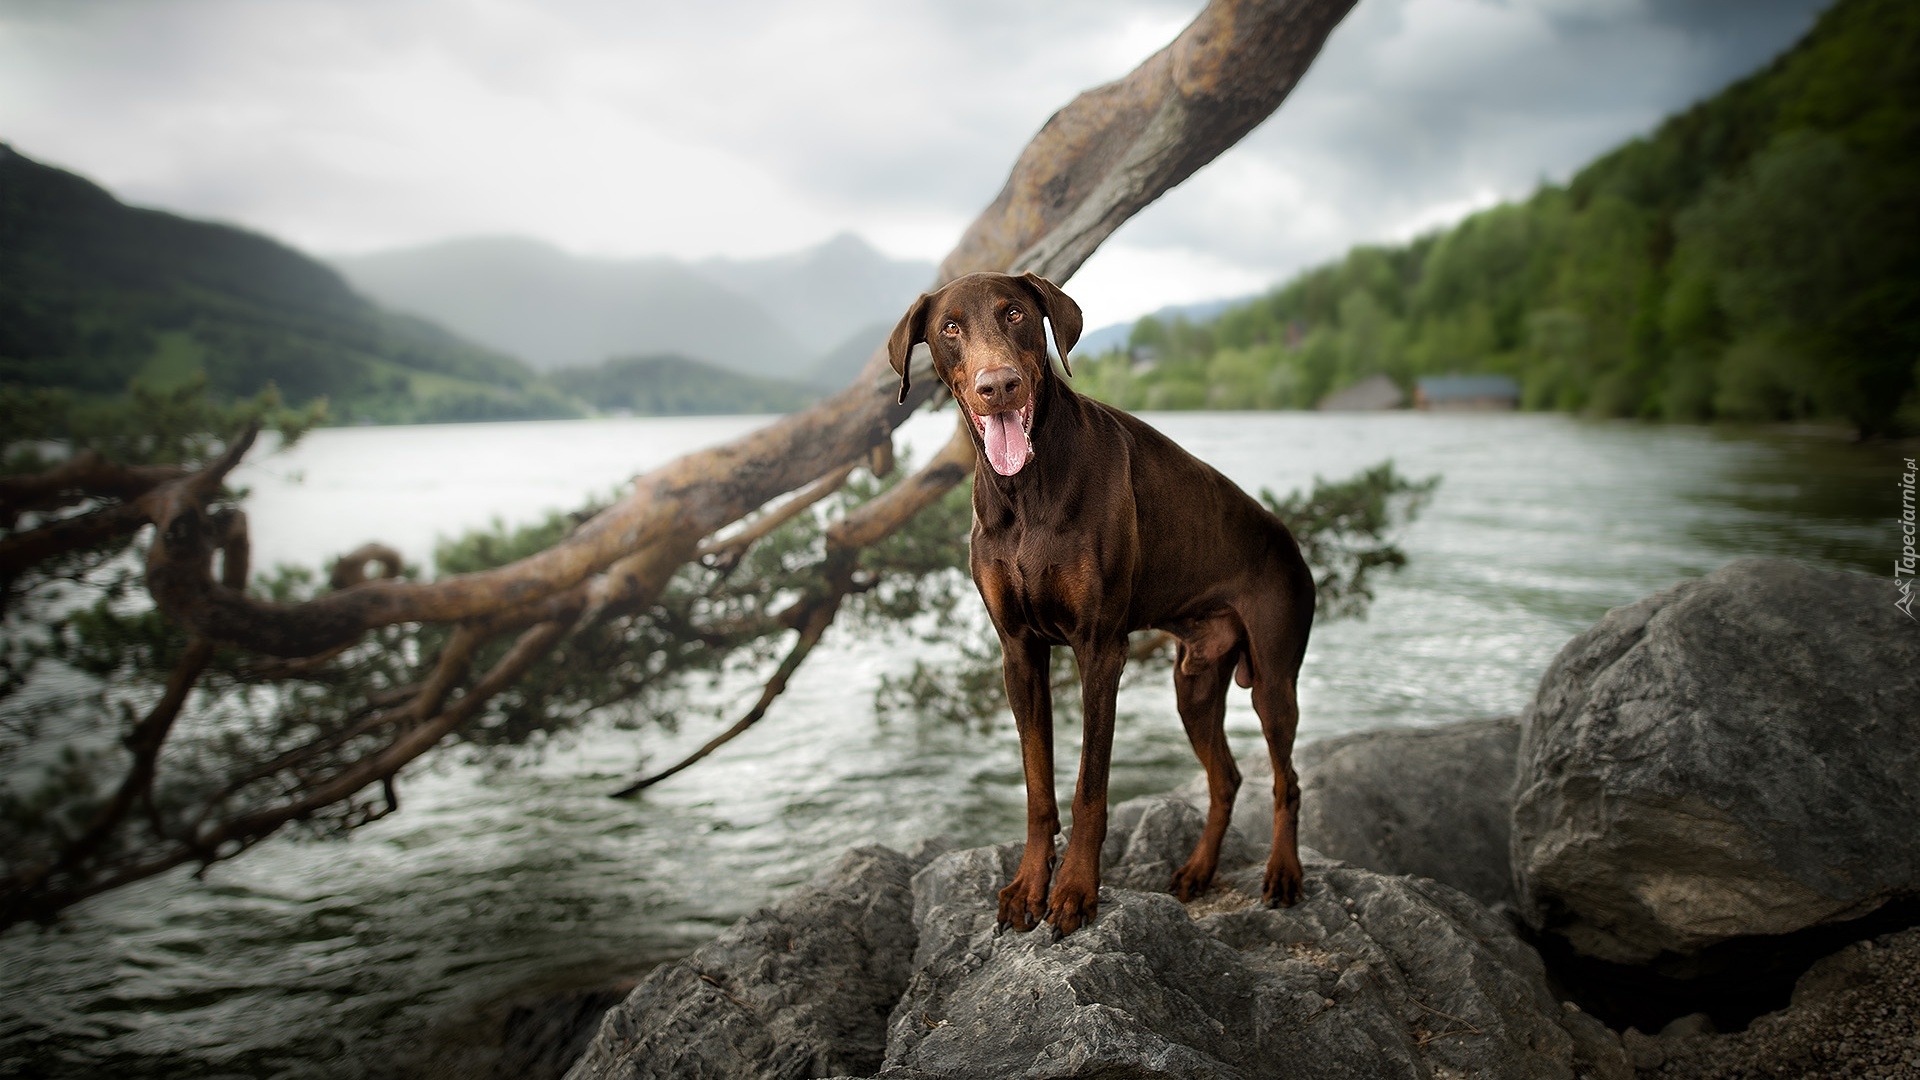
point(1087, 525)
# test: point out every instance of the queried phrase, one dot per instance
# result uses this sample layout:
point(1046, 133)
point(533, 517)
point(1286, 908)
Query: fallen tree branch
point(814, 622)
point(85, 475)
point(863, 527)
point(724, 555)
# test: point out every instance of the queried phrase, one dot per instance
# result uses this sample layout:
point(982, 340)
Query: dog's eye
point(1014, 314)
point(950, 328)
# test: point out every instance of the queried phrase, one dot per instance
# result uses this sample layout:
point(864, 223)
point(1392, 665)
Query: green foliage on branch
point(1346, 532)
point(177, 425)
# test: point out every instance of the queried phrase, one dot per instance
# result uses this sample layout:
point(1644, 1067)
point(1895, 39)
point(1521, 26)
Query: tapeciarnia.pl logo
point(1903, 567)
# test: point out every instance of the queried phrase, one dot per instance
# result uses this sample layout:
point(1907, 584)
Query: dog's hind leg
point(1200, 688)
point(1276, 644)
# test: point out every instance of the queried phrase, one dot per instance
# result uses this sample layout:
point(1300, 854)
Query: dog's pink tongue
point(1007, 445)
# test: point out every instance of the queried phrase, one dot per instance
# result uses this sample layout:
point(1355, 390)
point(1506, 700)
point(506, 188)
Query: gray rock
point(1434, 802)
point(799, 989)
point(1734, 756)
point(1368, 976)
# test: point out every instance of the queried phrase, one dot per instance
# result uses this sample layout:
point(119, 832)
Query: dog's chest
point(1040, 580)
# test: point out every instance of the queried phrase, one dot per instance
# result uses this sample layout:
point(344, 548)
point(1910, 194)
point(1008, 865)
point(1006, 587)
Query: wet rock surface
point(802, 988)
point(1370, 975)
point(1732, 757)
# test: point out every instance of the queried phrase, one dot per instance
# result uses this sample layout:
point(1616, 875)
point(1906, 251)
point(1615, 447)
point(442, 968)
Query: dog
point(1088, 524)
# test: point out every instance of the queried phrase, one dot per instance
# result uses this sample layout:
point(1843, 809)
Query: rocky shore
point(1694, 855)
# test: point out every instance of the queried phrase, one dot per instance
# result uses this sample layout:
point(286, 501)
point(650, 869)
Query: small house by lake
point(1368, 395)
point(1466, 393)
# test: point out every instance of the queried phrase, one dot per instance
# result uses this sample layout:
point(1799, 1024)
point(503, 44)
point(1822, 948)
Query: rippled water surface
point(308, 958)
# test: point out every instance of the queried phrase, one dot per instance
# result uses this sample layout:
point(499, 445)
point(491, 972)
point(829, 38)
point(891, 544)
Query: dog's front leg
point(1025, 662)
point(1076, 895)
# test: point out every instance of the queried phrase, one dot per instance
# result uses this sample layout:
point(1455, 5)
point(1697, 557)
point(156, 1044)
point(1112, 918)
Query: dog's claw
point(1283, 886)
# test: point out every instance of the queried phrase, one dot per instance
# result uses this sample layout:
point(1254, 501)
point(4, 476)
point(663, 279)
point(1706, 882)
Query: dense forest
point(1757, 258)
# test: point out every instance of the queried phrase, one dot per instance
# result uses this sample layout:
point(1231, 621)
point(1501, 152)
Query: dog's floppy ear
point(1061, 311)
point(911, 330)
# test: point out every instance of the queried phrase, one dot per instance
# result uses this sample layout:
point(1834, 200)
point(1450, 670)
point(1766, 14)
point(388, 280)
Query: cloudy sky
point(751, 127)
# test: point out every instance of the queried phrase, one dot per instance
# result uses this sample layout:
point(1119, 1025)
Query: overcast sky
point(750, 127)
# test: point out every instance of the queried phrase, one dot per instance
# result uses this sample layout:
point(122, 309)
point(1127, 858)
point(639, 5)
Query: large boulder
point(1430, 801)
point(1734, 756)
point(1368, 976)
point(799, 989)
point(1434, 802)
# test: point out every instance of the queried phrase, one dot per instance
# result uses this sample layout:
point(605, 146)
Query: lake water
point(307, 958)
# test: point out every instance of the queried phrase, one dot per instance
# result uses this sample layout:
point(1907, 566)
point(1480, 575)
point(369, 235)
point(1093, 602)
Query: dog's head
point(989, 349)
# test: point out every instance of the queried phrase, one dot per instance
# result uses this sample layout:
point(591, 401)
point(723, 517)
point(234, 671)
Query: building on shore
point(1466, 393)
point(1370, 394)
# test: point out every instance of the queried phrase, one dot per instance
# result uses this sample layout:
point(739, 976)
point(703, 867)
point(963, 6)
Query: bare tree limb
point(865, 526)
point(22, 550)
point(724, 555)
point(818, 616)
point(351, 569)
point(30, 899)
point(85, 475)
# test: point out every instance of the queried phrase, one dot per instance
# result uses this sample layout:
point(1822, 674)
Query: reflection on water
point(320, 959)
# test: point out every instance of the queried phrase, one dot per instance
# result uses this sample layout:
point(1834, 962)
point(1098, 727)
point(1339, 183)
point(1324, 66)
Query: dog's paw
point(1074, 905)
point(1022, 904)
point(1282, 887)
point(1191, 880)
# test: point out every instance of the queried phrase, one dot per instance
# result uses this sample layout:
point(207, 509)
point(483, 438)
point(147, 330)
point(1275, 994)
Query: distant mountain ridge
point(1115, 336)
point(95, 293)
point(676, 386)
point(772, 318)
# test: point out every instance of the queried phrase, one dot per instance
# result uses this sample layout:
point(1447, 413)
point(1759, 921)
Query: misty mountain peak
point(774, 316)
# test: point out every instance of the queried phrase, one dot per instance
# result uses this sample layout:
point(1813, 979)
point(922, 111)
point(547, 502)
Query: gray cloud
point(748, 127)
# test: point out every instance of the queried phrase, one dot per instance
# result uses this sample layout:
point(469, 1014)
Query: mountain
point(95, 293)
point(1756, 258)
point(677, 386)
point(557, 310)
point(768, 317)
point(826, 293)
point(838, 365)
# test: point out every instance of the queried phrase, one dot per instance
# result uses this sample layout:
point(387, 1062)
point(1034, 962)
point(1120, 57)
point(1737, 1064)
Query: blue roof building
point(1439, 393)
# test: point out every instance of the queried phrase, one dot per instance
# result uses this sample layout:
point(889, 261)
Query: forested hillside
point(1756, 258)
point(95, 294)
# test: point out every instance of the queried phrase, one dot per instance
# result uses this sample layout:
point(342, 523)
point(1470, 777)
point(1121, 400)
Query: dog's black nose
point(996, 385)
